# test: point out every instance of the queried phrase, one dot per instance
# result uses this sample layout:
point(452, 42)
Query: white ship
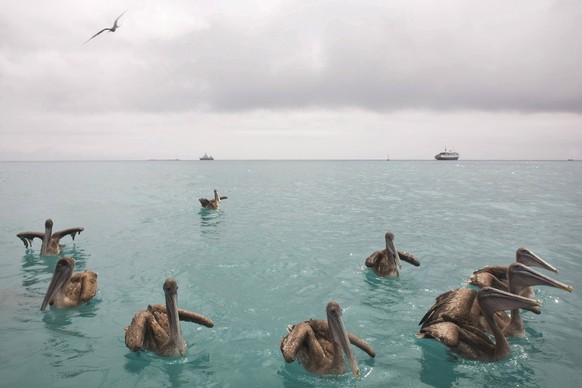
point(447, 155)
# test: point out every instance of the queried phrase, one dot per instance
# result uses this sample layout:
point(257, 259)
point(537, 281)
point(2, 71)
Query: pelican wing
point(409, 258)
point(82, 286)
point(375, 257)
point(221, 198)
point(206, 203)
point(190, 316)
point(499, 271)
point(27, 237)
point(71, 231)
point(360, 343)
point(135, 332)
point(301, 336)
point(455, 303)
point(184, 315)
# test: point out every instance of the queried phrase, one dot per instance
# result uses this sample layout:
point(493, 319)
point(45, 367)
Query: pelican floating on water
point(158, 328)
point(67, 289)
point(472, 343)
point(496, 275)
point(462, 304)
point(386, 262)
point(212, 204)
point(521, 277)
point(318, 344)
point(50, 241)
point(112, 29)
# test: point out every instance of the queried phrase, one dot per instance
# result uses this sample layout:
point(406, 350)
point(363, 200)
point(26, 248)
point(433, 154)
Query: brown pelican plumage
point(212, 204)
point(318, 344)
point(158, 328)
point(112, 29)
point(386, 262)
point(67, 289)
point(471, 342)
point(462, 304)
point(496, 275)
point(50, 241)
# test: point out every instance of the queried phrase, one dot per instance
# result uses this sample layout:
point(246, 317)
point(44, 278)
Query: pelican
point(158, 328)
point(318, 344)
point(386, 262)
point(212, 204)
point(462, 304)
point(112, 29)
point(521, 277)
point(50, 241)
point(472, 343)
point(67, 289)
point(496, 275)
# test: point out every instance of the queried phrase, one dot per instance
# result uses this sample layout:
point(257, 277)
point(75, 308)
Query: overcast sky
point(290, 79)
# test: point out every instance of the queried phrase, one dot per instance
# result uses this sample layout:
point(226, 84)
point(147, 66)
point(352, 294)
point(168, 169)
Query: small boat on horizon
point(206, 157)
point(447, 155)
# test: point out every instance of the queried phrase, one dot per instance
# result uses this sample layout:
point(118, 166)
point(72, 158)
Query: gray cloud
point(178, 59)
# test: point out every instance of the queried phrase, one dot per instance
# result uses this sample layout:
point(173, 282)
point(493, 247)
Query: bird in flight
point(112, 29)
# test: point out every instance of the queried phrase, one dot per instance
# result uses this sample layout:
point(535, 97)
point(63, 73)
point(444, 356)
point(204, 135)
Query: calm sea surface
point(291, 236)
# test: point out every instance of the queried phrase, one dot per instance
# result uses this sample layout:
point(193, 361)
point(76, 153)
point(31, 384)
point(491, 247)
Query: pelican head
point(492, 300)
point(521, 276)
point(175, 336)
point(62, 275)
point(48, 231)
point(339, 335)
point(527, 257)
point(391, 251)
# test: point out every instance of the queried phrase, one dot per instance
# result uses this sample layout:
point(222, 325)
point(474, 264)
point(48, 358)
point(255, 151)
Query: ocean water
point(291, 236)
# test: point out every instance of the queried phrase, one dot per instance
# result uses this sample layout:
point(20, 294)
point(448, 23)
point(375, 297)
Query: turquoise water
point(291, 236)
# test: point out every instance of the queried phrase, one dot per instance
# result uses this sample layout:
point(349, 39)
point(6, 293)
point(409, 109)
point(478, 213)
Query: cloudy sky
point(290, 79)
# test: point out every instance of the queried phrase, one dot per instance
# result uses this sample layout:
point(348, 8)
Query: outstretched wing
point(71, 231)
point(184, 315)
point(360, 343)
point(105, 29)
point(27, 237)
point(115, 25)
point(409, 258)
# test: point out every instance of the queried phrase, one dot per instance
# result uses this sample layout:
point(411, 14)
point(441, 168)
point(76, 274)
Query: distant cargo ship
point(447, 155)
point(206, 157)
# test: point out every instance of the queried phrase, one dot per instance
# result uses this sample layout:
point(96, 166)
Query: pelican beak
point(391, 249)
point(61, 276)
point(171, 295)
point(527, 257)
point(497, 300)
point(523, 276)
point(339, 335)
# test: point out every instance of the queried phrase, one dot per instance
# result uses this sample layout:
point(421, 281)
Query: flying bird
point(112, 29)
